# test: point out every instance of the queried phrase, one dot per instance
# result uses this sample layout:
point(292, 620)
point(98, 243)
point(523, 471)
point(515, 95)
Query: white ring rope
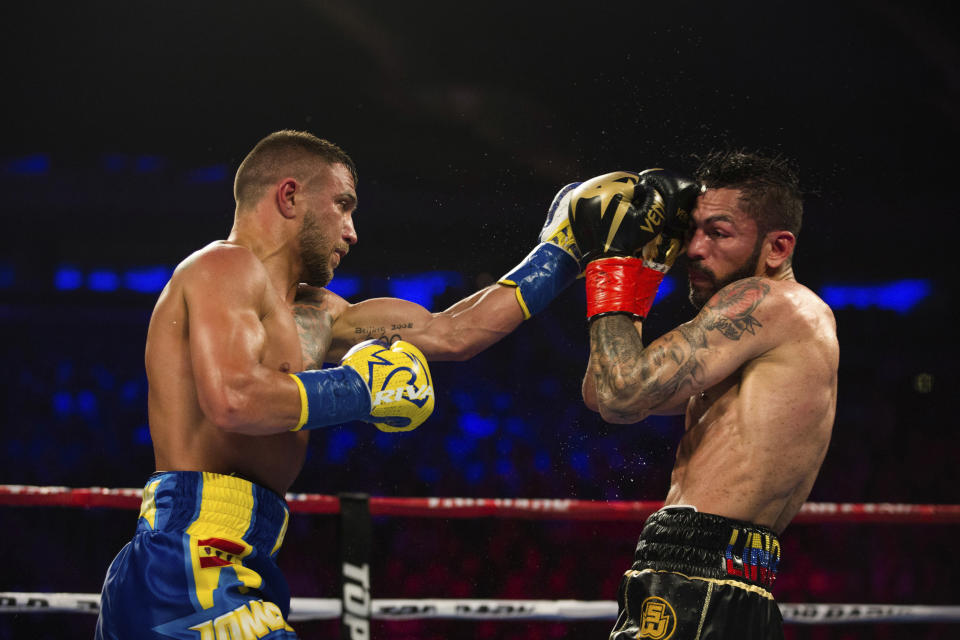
point(303, 609)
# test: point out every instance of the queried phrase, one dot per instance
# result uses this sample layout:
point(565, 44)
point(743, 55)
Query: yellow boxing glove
point(398, 377)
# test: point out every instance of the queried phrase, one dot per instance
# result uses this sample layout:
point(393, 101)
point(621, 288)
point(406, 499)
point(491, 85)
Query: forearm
point(630, 381)
point(473, 324)
point(259, 403)
point(457, 333)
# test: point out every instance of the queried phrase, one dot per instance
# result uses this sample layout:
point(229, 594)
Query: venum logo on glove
point(655, 214)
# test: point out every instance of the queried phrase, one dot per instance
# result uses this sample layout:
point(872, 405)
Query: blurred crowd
point(508, 423)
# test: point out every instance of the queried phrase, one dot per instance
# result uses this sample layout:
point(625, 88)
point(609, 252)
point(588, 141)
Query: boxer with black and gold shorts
point(202, 563)
point(699, 576)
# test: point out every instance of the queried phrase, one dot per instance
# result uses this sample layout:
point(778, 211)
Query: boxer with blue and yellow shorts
point(202, 564)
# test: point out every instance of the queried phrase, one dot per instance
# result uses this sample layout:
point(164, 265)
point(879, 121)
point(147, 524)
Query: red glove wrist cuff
point(620, 285)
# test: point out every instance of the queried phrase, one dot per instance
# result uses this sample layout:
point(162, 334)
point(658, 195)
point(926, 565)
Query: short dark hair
point(769, 187)
point(286, 151)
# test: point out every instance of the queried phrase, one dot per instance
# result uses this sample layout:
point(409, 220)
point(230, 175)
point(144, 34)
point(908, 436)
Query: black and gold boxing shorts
point(699, 576)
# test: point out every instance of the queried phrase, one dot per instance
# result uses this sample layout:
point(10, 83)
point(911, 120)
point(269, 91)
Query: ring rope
point(304, 609)
point(531, 508)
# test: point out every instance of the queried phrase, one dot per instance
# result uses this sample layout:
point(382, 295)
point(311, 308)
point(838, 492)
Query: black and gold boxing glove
point(679, 195)
point(616, 218)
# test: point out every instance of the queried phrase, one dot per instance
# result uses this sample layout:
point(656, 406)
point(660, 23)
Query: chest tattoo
point(314, 327)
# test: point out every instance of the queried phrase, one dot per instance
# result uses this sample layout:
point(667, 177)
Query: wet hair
point(769, 188)
point(286, 152)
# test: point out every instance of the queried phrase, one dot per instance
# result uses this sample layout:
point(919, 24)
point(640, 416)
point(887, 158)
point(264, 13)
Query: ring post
point(355, 538)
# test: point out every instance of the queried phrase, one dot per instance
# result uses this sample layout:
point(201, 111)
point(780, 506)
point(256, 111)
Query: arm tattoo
point(388, 333)
point(313, 327)
point(623, 367)
point(732, 306)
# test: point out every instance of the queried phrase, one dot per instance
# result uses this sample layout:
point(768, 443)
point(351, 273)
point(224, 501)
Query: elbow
point(614, 416)
point(589, 393)
point(619, 408)
point(229, 410)
point(228, 418)
point(591, 403)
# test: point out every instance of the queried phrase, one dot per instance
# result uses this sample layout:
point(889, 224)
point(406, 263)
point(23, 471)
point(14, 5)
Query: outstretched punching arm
point(469, 326)
point(460, 332)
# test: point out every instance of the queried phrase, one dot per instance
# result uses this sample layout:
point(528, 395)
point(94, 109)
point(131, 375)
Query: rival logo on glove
point(395, 395)
point(398, 377)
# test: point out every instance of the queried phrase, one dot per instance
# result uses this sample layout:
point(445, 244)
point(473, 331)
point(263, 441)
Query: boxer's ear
point(288, 191)
point(779, 248)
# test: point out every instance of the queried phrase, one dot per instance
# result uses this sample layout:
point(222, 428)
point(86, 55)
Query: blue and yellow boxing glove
point(388, 386)
point(553, 264)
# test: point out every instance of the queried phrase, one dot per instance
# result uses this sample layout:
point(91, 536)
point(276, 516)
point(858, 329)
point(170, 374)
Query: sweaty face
point(724, 244)
point(315, 249)
point(327, 231)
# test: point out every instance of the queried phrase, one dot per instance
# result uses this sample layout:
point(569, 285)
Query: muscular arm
point(589, 387)
point(631, 382)
point(225, 293)
point(457, 333)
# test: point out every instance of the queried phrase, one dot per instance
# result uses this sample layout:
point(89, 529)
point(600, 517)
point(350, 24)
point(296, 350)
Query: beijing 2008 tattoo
point(381, 333)
point(620, 362)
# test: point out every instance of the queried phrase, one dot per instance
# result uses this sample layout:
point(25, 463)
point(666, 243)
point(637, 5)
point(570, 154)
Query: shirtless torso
point(189, 354)
point(755, 373)
point(184, 436)
point(755, 440)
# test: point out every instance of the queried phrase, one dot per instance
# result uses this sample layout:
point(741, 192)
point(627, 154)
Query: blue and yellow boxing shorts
point(202, 564)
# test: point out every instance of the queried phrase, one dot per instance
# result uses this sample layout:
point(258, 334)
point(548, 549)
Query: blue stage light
point(901, 296)
point(147, 279)
point(103, 280)
point(149, 164)
point(36, 164)
point(580, 462)
point(339, 445)
point(86, 402)
point(421, 288)
point(667, 286)
point(478, 426)
point(141, 435)
point(8, 276)
point(67, 279)
point(207, 175)
point(345, 286)
point(62, 403)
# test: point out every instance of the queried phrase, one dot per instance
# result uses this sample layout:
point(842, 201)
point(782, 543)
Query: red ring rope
point(812, 512)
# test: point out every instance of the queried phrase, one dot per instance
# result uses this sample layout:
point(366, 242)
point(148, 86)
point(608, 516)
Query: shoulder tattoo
point(730, 311)
point(313, 328)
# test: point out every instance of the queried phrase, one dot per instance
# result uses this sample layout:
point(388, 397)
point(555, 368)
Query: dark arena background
point(126, 121)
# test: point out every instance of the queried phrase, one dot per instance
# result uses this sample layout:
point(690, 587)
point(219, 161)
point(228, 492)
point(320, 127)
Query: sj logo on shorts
point(657, 619)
